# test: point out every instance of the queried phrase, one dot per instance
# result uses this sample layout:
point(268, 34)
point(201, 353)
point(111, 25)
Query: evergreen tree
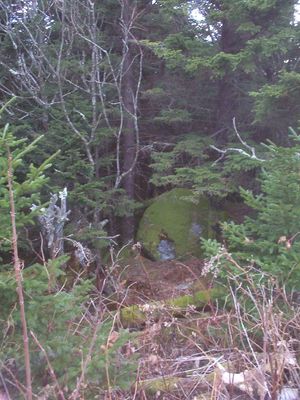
point(253, 44)
point(244, 59)
point(69, 66)
point(269, 239)
point(28, 182)
point(113, 84)
point(50, 309)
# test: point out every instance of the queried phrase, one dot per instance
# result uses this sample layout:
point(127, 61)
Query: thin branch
point(52, 373)
point(80, 380)
point(5, 386)
point(250, 152)
point(18, 275)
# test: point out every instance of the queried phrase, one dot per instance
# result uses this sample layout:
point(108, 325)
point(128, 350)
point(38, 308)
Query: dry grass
point(244, 347)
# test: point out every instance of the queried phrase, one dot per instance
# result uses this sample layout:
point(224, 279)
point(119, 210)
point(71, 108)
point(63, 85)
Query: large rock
point(172, 225)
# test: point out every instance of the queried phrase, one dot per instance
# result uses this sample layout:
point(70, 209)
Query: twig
point(4, 386)
point(14, 382)
point(18, 275)
point(76, 392)
point(52, 373)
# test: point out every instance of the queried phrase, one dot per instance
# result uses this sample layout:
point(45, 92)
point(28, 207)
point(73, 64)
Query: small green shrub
point(269, 240)
point(69, 339)
point(65, 325)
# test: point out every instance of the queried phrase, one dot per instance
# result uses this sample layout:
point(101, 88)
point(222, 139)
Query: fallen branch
point(255, 380)
point(138, 314)
point(174, 383)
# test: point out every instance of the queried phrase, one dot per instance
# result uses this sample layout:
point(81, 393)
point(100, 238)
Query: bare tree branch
point(250, 152)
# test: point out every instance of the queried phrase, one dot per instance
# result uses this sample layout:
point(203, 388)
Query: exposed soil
point(147, 280)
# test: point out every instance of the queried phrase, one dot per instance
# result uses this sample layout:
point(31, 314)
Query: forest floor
point(185, 348)
point(178, 348)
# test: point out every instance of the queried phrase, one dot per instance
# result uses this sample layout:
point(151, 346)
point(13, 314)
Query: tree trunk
point(129, 144)
point(226, 102)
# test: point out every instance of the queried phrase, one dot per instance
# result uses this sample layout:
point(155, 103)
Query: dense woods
point(107, 105)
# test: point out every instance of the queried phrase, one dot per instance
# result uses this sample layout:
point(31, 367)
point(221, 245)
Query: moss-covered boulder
point(172, 225)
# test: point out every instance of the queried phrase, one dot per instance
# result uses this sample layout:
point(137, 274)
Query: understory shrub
point(73, 339)
point(67, 328)
point(269, 240)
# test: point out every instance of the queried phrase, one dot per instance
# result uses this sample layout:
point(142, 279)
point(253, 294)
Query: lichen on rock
point(166, 250)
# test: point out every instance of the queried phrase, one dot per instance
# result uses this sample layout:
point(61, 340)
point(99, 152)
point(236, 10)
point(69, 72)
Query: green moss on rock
point(174, 217)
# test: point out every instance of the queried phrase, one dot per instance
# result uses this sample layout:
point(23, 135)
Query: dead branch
point(52, 221)
point(250, 152)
